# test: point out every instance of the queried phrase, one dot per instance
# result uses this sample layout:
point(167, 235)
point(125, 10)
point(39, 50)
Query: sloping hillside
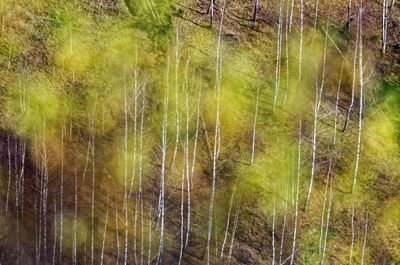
point(185, 132)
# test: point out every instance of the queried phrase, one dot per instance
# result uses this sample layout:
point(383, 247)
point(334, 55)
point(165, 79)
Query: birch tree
point(361, 76)
point(297, 195)
point(385, 10)
point(354, 78)
point(45, 192)
point(116, 229)
point(141, 170)
point(233, 233)
point(365, 238)
point(254, 127)
point(93, 189)
point(278, 54)
point(392, 4)
point(255, 12)
point(327, 221)
point(196, 136)
point(162, 177)
point(317, 105)
point(176, 98)
point(273, 231)
point(75, 217)
point(104, 235)
point(287, 52)
point(61, 195)
point(284, 222)
point(228, 219)
point(135, 97)
point(301, 36)
point(186, 153)
point(55, 231)
point(216, 139)
point(8, 171)
point(181, 230)
point(348, 16)
point(125, 168)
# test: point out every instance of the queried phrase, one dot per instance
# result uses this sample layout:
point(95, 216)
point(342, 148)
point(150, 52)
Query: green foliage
point(156, 19)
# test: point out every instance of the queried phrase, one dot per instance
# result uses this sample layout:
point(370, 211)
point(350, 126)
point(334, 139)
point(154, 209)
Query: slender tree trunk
point(211, 13)
point(45, 193)
point(187, 157)
point(301, 37)
point(315, 19)
point(141, 170)
point(125, 169)
point(365, 236)
point(352, 234)
point(273, 231)
point(348, 16)
point(255, 11)
point(323, 208)
point(196, 136)
point(233, 233)
point(9, 171)
point(384, 25)
point(61, 195)
point(337, 105)
point(216, 140)
point(149, 228)
point(55, 231)
point(37, 243)
point(176, 99)
point(181, 246)
point(284, 222)
point(291, 16)
point(104, 235)
point(162, 178)
point(360, 66)
point(254, 126)
point(93, 205)
point(116, 228)
point(354, 78)
point(75, 217)
point(287, 52)
point(228, 220)
point(327, 222)
point(297, 196)
point(134, 129)
point(317, 104)
point(278, 54)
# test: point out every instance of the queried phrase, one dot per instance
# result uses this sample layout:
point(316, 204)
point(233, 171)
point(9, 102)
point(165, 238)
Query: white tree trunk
point(233, 233)
point(228, 220)
point(327, 222)
point(317, 104)
point(162, 177)
point(365, 238)
point(360, 66)
point(104, 235)
point(278, 54)
point(216, 140)
point(297, 196)
point(254, 126)
point(354, 78)
point(176, 99)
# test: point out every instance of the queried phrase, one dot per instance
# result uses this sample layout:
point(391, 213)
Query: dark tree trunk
point(255, 11)
point(210, 11)
point(348, 16)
